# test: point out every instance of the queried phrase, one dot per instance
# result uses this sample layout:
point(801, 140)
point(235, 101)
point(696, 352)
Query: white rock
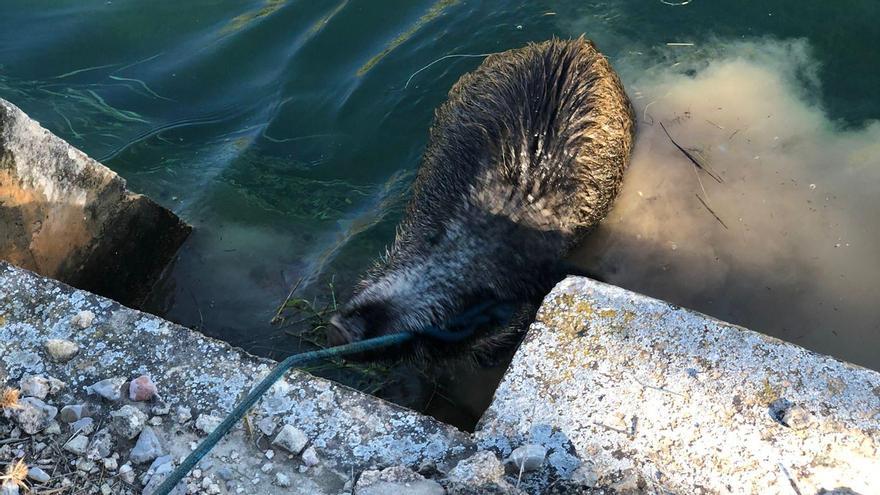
point(267, 425)
point(147, 447)
point(61, 350)
point(282, 480)
point(207, 423)
point(310, 457)
point(182, 414)
point(77, 445)
point(529, 457)
point(479, 469)
point(83, 319)
point(126, 473)
point(797, 417)
point(127, 421)
point(73, 413)
point(83, 425)
point(291, 439)
point(34, 415)
point(108, 389)
point(38, 475)
point(396, 480)
point(34, 386)
point(53, 429)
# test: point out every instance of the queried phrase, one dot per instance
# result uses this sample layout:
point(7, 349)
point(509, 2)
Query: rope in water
point(475, 317)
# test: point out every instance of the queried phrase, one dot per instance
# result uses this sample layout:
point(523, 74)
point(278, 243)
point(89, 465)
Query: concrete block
point(66, 216)
point(635, 394)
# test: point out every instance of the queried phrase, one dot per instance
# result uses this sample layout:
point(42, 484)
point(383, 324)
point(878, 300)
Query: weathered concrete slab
point(66, 216)
point(631, 392)
point(349, 431)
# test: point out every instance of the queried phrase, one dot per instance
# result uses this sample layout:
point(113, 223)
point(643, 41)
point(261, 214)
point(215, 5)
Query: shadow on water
point(283, 132)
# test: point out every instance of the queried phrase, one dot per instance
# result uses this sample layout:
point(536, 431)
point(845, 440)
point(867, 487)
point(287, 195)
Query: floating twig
point(691, 157)
point(463, 55)
point(716, 125)
point(286, 300)
point(706, 205)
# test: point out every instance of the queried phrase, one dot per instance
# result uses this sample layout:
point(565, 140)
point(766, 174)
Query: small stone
point(107, 389)
point(162, 464)
point(291, 439)
point(797, 417)
point(110, 464)
point(146, 448)
point(267, 425)
point(182, 414)
point(196, 473)
point(55, 385)
point(60, 350)
point(85, 465)
point(207, 423)
point(53, 429)
point(85, 426)
point(267, 467)
point(479, 469)
point(34, 415)
point(270, 454)
point(141, 389)
point(83, 319)
point(157, 480)
point(38, 475)
point(106, 490)
point(77, 445)
point(155, 421)
point(127, 421)
point(126, 473)
point(282, 480)
point(161, 409)
point(34, 386)
point(73, 413)
point(396, 479)
point(529, 457)
point(102, 445)
point(310, 457)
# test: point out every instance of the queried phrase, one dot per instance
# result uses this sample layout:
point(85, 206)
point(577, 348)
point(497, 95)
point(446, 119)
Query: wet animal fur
point(524, 158)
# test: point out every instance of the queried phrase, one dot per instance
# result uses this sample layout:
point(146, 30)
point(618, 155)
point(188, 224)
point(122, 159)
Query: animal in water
point(524, 158)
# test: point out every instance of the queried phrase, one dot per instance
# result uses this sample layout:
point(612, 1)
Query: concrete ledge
point(349, 431)
point(66, 216)
point(631, 392)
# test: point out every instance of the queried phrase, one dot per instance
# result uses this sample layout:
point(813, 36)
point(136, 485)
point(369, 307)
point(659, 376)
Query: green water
point(285, 133)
